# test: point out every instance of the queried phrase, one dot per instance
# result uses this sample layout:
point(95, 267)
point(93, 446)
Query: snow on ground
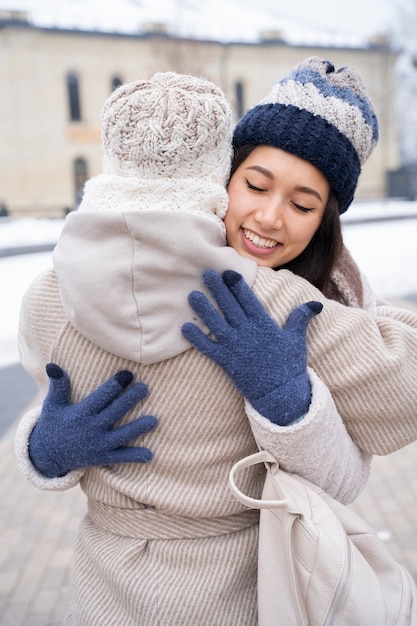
point(17, 272)
point(385, 250)
point(28, 231)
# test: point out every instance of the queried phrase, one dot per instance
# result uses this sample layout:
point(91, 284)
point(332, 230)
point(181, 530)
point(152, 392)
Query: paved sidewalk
point(37, 534)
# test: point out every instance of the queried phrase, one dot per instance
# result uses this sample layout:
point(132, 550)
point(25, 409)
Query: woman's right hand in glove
point(74, 436)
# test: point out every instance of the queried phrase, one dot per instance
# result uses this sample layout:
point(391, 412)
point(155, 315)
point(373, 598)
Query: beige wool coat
point(166, 543)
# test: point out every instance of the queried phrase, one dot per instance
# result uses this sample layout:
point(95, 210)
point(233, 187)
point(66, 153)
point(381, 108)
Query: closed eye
point(249, 184)
point(304, 209)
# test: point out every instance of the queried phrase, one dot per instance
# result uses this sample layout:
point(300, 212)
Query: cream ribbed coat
point(166, 543)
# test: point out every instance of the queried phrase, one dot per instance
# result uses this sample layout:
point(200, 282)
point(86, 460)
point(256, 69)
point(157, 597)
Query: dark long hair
point(317, 261)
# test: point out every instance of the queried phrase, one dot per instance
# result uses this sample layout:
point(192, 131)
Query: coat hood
point(125, 277)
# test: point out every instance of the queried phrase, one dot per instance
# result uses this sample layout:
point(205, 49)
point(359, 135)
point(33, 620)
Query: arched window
point(116, 81)
point(80, 178)
point(239, 95)
point(73, 98)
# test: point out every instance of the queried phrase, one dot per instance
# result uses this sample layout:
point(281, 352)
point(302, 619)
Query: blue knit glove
point(73, 436)
point(267, 364)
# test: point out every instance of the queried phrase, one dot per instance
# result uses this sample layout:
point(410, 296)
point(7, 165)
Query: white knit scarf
point(188, 195)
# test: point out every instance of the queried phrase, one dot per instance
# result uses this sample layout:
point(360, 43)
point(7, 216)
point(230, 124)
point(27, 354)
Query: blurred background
point(60, 60)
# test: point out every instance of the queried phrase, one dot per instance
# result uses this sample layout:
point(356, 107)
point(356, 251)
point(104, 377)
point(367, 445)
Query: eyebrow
point(269, 174)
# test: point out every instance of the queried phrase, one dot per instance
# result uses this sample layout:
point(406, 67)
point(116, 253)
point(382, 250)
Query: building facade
point(54, 83)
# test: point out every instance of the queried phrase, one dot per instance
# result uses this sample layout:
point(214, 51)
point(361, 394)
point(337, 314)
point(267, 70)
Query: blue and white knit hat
point(321, 115)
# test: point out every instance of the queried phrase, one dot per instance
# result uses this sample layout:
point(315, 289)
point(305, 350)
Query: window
point(80, 178)
point(115, 82)
point(73, 98)
point(240, 108)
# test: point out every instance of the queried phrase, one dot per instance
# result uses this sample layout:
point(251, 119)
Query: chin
point(265, 262)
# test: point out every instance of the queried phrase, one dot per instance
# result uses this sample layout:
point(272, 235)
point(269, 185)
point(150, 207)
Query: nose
point(270, 215)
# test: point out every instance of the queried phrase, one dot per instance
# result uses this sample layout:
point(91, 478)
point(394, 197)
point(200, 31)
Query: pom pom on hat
point(171, 126)
point(321, 115)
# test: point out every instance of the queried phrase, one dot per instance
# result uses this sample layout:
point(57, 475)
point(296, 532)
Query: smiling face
point(276, 204)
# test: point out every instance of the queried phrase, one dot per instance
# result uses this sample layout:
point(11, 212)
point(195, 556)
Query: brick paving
point(38, 529)
point(37, 535)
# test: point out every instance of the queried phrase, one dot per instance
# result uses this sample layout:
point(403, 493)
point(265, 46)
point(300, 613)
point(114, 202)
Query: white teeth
point(261, 243)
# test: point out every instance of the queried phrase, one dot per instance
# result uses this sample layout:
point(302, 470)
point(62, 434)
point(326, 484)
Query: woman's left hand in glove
point(267, 364)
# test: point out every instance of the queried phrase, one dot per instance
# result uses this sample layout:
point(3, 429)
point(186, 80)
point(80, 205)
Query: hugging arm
point(291, 411)
point(367, 360)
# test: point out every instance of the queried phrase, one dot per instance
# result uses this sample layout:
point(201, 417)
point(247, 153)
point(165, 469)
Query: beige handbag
point(319, 563)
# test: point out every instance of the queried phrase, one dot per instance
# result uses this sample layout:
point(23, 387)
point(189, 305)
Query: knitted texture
point(267, 364)
point(72, 436)
point(110, 193)
point(321, 115)
point(167, 146)
point(172, 126)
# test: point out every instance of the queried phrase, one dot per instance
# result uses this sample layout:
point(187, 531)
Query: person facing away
point(163, 541)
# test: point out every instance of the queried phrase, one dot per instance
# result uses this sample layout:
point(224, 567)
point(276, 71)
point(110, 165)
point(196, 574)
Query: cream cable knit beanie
point(171, 126)
point(167, 146)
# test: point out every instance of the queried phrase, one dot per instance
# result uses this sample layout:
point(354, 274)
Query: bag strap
point(286, 521)
point(254, 459)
